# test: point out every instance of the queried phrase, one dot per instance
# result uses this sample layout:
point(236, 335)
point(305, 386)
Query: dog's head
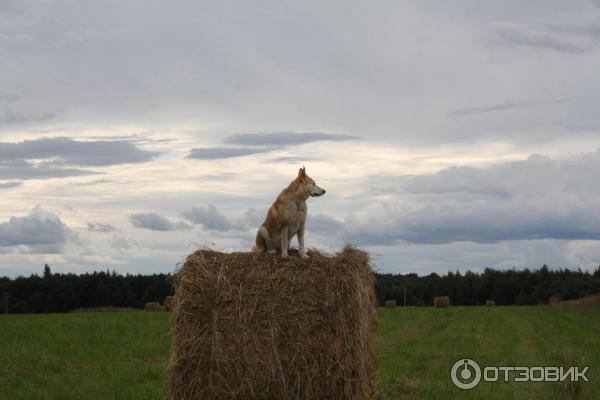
point(308, 185)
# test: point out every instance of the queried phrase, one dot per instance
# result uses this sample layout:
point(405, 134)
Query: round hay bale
point(441, 301)
point(390, 303)
point(257, 326)
point(152, 306)
point(490, 303)
point(554, 300)
point(168, 303)
point(591, 299)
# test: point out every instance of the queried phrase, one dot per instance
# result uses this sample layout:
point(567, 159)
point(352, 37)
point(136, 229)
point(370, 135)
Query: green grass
point(124, 355)
point(77, 356)
point(418, 346)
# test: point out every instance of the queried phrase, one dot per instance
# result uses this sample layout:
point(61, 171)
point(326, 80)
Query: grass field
point(124, 355)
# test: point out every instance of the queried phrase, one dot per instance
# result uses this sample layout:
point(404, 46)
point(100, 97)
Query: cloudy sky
point(449, 135)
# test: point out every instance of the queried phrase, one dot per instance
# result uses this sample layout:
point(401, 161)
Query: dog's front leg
point(284, 242)
point(301, 242)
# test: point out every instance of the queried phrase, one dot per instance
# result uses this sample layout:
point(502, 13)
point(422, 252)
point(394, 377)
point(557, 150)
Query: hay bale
point(589, 300)
point(168, 303)
point(257, 326)
point(554, 300)
point(441, 301)
point(390, 303)
point(152, 306)
point(490, 303)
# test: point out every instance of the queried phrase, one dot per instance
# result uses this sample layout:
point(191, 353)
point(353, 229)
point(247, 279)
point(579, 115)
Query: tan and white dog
point(287, 216)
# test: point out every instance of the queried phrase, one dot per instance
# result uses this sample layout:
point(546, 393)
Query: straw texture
point(257, 326)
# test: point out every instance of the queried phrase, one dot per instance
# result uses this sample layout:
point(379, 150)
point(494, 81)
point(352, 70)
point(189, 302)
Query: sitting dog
point(287, 216)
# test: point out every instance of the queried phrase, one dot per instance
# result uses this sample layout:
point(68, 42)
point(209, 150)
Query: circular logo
point(465, 374)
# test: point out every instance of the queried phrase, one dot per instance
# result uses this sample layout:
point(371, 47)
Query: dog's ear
point(302, 171)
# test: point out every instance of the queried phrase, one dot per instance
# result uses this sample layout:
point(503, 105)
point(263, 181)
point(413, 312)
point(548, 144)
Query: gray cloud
point(94, 182)
point(214, 153)
point(53, 157)
point(541, 39)
point(262, 143)
point(39, 232)
point(510, 105)
point(589, 127)
point(21, 169)
point(292, 159)
point(100, 227)
point(539, 198)
point(280, 139)
point(210, 218)
point(6, 97)
point(357, 85)
point(74, 152)
point(8, 185)
point(323, 224)
point(13, 117)
point(156, 222)
point(251, 219)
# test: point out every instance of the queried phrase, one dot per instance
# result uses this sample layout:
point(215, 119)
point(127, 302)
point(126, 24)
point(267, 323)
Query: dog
point(287, 216)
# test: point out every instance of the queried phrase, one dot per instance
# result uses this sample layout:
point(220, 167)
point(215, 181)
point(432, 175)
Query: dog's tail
point(261, 244)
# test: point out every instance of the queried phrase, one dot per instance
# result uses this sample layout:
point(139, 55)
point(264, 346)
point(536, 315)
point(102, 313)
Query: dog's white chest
point(295, 215)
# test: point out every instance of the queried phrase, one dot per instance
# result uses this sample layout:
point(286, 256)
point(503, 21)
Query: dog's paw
point(304, 255)
point(284, 255)
point(271, 251)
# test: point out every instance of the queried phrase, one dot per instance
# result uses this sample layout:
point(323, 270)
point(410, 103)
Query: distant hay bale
point(554, 300)
point(390, 303)
point(490, 303)
point(168, 303)
point(441, 301)
point(593, 299)
point(152, 306)
point(258, 326)
point(590, 300)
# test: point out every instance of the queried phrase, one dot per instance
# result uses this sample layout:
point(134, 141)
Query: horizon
point(133, 133)
point(456, 271)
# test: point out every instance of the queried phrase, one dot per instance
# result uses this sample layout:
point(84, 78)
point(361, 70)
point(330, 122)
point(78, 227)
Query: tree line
point(507, 287)
point(52, 292)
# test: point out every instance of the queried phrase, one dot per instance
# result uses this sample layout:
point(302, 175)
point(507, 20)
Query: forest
point(505, 287)
point(56, 292)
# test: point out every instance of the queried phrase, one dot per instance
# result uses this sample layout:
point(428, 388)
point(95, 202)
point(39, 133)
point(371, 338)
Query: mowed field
point(124, 355)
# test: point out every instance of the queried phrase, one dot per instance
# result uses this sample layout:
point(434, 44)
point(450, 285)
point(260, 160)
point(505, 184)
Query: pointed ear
point(302, 171)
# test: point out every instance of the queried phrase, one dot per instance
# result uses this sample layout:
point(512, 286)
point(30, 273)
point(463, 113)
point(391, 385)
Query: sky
point(449, 135)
